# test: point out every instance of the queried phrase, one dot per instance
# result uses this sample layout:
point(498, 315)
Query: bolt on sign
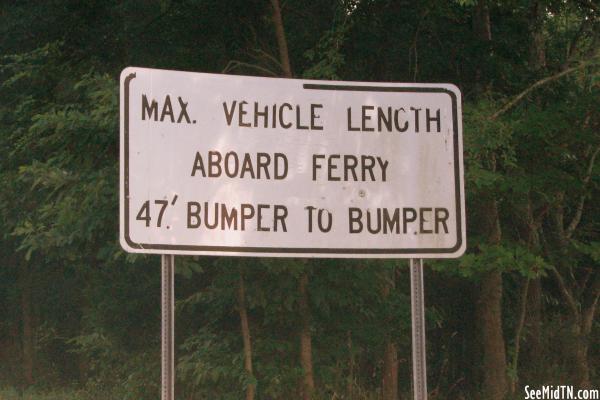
point(249, 166)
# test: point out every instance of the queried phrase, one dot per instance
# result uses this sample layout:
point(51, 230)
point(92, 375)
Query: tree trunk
point(305, 339)
point(581, 370)
point(241, 297)
point(390, 371)
point(533, 308)
point(489, 311)
point(284, 57)
point(390, 357)
point(518, 333)
point(481, 21)
point(537, 50)
point(27, 319)
point(534, 328)
point(583, 332)
point(483, 31)
point(489, 304)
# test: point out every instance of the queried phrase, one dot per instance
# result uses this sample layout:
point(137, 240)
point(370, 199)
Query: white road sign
point(237, 165)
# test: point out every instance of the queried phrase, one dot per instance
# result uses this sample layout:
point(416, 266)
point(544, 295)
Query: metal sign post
point(419, 356)
point(168, 327)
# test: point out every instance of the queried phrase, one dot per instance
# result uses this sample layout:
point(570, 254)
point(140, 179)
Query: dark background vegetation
point(518, 309)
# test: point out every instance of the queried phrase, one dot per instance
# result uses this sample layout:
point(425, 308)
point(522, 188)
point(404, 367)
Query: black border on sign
point(295, 250)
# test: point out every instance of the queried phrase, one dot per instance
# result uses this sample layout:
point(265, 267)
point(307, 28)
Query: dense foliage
point(518, 309)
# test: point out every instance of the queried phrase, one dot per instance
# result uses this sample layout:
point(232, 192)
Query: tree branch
point(583, 281)
point(579, 211)
point(413, 48)
point(565, 292)
point(590, 306)
point(269, 57)
point(536, 85)
point(233, 64)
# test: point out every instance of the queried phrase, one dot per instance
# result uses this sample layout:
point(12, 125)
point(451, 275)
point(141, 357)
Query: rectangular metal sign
point(250, 166)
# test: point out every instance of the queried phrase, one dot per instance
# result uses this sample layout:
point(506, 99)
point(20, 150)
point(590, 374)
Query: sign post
point(419, 354)
point(249, 166)
point(167, 327)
